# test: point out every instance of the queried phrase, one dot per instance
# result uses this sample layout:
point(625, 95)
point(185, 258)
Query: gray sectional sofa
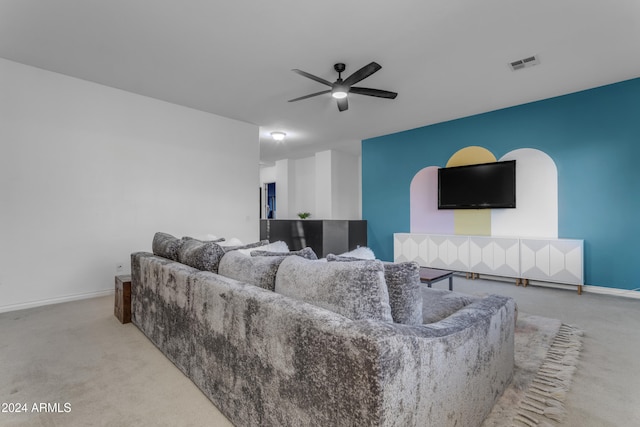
point(269, 348)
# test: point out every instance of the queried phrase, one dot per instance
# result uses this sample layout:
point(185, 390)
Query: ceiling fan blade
point(309, 96)
point(312, 77)
point(362, 73)
point(343, 104)
point(373, 92)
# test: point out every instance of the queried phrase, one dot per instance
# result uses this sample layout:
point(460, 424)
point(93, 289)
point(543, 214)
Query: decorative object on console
point(304, 215)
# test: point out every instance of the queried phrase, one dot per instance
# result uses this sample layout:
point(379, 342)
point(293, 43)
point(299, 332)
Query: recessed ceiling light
point(278, 136)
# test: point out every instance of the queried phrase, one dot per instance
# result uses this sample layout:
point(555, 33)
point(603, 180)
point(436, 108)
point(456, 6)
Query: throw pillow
point(361, 252)
point(278, 246)
point(201, 255)
point(166, 246)
point(307, 253)
point(403, 284)
point(234, 241)
point(247, 246)
point(341, 258)
point(258, 271)
point(353, 289)
point(405, 298)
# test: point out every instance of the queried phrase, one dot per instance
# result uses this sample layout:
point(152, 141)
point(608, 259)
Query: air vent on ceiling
point(524, 63)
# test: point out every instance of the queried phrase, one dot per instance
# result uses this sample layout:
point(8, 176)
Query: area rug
point(546, 355)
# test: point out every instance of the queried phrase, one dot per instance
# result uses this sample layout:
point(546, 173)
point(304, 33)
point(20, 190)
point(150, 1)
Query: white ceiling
point(446, 58)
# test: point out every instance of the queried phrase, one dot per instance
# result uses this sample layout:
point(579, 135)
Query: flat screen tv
point(482, 186)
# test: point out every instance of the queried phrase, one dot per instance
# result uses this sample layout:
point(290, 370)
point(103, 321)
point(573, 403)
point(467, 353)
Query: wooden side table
point(122, 306)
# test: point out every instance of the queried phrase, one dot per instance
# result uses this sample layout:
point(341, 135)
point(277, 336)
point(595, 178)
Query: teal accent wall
point(594, 138)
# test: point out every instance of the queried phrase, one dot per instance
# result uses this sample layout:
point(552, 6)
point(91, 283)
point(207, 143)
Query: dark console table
point(324, 236)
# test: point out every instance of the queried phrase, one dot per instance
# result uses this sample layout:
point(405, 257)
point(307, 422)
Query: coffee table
point(432, 275)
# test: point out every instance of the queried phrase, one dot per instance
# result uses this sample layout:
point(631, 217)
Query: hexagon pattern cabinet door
point(436, 251)
point(498, 256)
point(448, 252)
point(559, 261)
point(410, 247)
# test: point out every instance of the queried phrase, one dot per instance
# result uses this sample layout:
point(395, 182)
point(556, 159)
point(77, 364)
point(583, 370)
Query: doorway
point(270, 200)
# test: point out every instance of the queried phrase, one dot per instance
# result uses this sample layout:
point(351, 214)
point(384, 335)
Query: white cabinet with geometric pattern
point(495, 255)
point(548, 260)
point(553, 260)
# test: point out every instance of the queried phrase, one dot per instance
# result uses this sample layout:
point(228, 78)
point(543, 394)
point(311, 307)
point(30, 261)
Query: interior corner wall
point(338, 189)
point(327, 185)
point(345, 186)
point(592, 136)
point(285, 185)
point(89, 173)
point(304, 187)
point(324, 185)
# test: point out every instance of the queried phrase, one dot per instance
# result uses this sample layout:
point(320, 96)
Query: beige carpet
point(89, 370)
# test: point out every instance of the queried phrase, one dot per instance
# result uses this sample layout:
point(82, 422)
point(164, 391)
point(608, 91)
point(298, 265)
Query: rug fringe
point(543, 401)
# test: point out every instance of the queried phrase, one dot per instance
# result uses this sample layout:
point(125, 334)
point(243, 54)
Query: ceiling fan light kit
point(341, 88)
point(339, 93)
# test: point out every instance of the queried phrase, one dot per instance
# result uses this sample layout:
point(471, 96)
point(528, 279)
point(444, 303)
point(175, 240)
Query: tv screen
point(482, 186)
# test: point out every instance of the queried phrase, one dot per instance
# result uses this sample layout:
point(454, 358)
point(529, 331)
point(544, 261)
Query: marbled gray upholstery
point(201, 255)
point(403, 284)
point(405, 298)
point(354, 289)
point(438, 304)
point(307, 253)
point(259, 271)
point(246, 246)
point(265, 359)
point(166, 245)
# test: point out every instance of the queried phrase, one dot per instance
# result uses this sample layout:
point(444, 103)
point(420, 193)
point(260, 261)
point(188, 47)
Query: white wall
point(89, 173)
point(304, 191)
point(328, 185)
point(324, 184)
point(346, 186)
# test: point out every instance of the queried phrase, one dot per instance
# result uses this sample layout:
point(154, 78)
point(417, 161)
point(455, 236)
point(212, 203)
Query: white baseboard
point(75, 297)
point(627, 293)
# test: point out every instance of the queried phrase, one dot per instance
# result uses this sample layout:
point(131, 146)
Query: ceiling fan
point(340, 88)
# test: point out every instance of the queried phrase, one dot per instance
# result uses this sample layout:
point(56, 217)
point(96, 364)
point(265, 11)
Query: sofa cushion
point(307, 253)
point(405, 298)
point(258, 271)
point(438, 304)
point(403, 284)
point(353, 289)
point(166, 246)
point(201, 255)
